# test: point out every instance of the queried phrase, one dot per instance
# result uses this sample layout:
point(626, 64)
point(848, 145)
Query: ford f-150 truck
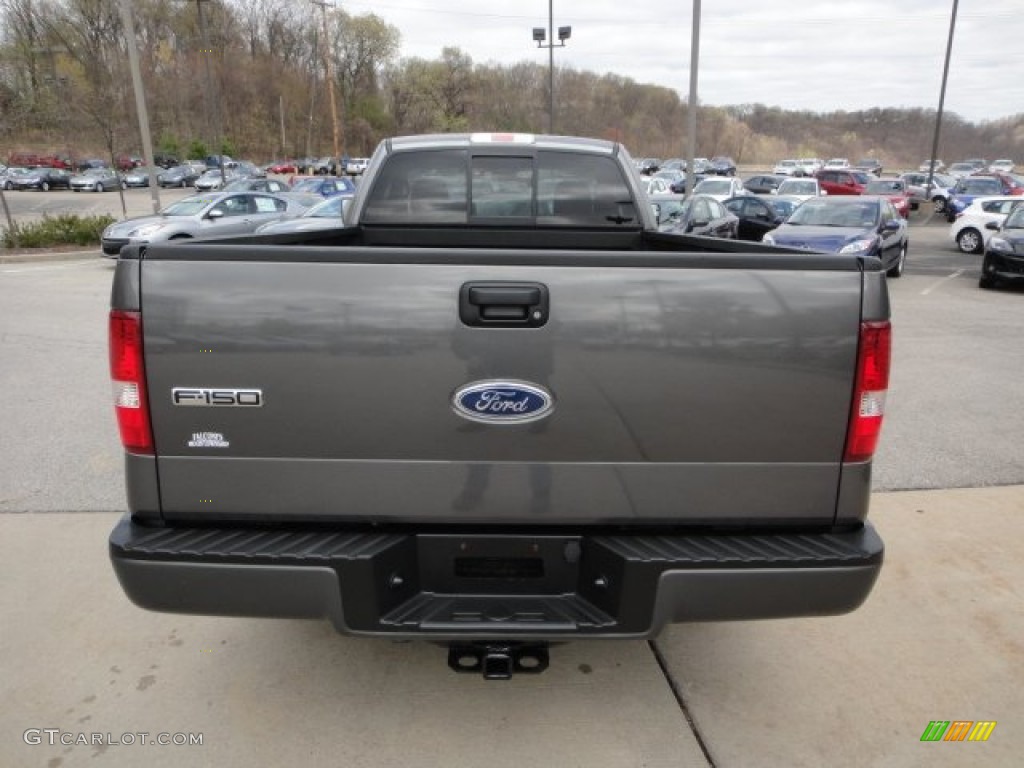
point(495, 408)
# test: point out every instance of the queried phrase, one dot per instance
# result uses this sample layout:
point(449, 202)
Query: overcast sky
point(820, 55)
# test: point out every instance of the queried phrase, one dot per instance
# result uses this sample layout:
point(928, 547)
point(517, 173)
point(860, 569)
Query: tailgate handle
point(503, 305)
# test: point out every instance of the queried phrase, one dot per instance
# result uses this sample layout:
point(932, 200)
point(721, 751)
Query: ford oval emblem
point(503, 402)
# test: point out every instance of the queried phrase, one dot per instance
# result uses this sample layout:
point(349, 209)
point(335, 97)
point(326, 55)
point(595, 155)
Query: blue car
point(848, 224)
point(325, 186)
point(967, 188)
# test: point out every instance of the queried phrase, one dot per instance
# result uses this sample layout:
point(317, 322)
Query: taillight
point(872, 383)
point(129, 379)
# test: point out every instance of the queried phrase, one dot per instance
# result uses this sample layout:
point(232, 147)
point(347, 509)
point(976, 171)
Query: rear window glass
point(454, 187)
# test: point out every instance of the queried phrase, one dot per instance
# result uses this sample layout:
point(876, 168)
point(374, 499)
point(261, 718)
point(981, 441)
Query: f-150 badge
point(248, 398)
point(503, 402)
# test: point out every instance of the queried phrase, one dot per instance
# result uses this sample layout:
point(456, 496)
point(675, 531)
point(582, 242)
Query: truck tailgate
point(687, 389)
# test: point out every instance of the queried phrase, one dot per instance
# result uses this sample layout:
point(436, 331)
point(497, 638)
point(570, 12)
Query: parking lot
point(939, 639)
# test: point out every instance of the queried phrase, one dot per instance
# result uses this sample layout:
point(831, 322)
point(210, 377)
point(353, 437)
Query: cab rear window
point(457, 187)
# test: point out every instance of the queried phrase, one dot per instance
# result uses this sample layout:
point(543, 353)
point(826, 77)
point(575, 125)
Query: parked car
point(184, 175)
point(931, 165)
point(862, 225)
point(757, 216)
point(977, 163)
point(257, 185)
point(217, 215)
point(800, 188)
point(139, 177)
point(325, 186)
point(719, 188)
point(10, 174)
point(722, 166)
point(165, 161)
point(654, 185)
point(869, 165)
point(788, 168)
point(921, 193)
point(702, 215)
point(961, 169)
point(1004, 165)
point(95, 180)
point(837, 164)
point(327, 214)
point(648, 165)
point(893, 188)
point(810, 165)
point(43, 179)
point(968, 188)
point(283, 167)
point(969, 231)
point(214, 179)
point(673, 164)
point(851, 182)
point(701, 165)
point(90, 163)
point(670, 175)
point(764, 183)
point(1004, 256)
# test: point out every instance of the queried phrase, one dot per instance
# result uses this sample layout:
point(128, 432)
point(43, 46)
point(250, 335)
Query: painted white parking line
point(940, 283)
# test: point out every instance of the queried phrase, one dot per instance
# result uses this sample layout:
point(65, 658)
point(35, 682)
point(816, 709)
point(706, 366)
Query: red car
point(893, 189)
point(285, 166)
point(843, 182)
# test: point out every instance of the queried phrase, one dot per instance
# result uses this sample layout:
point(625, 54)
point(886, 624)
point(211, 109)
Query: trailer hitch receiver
point(498, 661)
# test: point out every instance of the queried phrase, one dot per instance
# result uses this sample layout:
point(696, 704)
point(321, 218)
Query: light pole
point(539, 36)
point(942, 101)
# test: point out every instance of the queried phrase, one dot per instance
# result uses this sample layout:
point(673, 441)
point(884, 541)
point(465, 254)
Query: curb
point(31, 258)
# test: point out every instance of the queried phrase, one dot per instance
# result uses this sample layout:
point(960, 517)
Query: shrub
point(65, 229)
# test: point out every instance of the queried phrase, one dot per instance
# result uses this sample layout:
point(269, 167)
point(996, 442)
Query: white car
point(969, 231)
point(787, 168)
point(356, 165)
point(837, 164)
point(655, 185)
point(810, 165)
point(800, 189)
point(721, 188)
point(1002, 166)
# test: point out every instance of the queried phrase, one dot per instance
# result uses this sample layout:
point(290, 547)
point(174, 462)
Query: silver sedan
point(202, 216)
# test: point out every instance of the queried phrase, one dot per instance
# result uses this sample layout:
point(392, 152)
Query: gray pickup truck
point(496, 409)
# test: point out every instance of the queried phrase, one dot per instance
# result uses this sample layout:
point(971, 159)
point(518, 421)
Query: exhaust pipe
point(498, 661)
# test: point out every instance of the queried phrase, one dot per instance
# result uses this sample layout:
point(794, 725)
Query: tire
point(987, 283)
point(97, 187)
point(896, 270)
point(45, 186)
point(969, 240)
point(939, 204)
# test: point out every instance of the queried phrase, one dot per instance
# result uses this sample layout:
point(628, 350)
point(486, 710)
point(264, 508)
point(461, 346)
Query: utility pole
point(942, 102)
point(140, 104)
point(212, 109)
point(330, 80)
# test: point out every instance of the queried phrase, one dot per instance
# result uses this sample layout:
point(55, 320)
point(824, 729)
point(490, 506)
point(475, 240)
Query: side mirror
point(993, 225)
point(216, 213)
point(892, 225)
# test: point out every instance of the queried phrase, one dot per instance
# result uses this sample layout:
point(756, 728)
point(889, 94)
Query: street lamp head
point(564, 33)
point(539, 35)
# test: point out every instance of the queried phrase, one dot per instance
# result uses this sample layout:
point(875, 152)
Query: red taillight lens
point(873, 361)
point(129, 379)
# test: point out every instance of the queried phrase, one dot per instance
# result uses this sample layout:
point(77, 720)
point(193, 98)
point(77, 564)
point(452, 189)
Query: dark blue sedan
point(859, 225)
point(325, 186)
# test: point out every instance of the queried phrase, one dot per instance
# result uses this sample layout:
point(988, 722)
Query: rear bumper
point(451, 586)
